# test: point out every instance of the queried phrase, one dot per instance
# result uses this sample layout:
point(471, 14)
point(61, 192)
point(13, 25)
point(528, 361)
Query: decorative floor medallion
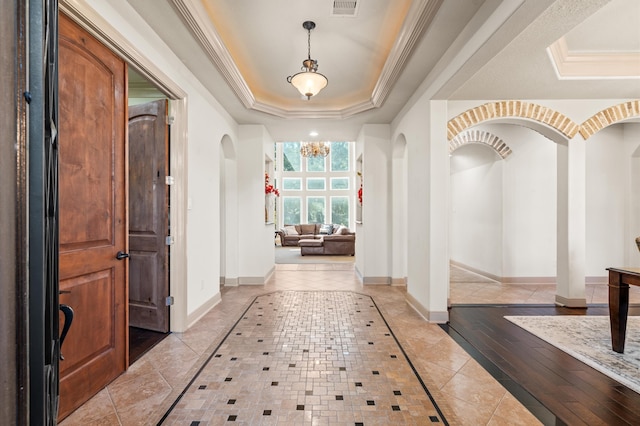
point(303, 358)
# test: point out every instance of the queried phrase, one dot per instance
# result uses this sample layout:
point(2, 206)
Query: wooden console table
point(619, 281)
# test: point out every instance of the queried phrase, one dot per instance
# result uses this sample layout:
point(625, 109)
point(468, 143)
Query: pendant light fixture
point(309, 82)
point(314, 149)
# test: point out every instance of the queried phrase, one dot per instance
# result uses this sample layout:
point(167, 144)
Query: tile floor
point(464, 392)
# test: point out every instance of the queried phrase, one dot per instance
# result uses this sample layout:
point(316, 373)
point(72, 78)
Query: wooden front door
point(148, 216)
point(93, 221)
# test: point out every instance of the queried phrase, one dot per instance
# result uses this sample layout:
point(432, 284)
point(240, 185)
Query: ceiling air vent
point(344, 8)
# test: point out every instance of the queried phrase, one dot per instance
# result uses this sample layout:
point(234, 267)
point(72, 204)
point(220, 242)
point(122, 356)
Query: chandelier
point(314, 149)
point(309, 82)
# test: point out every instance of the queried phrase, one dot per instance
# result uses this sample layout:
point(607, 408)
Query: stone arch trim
point(504, 109)
point(480, 137)
point(608, 117)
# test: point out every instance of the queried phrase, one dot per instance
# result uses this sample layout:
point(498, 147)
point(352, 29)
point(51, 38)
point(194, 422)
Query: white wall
point(611, 198)
point(399, 223)
point(632, 229)
point(529, 230)
point(203, 219)
point(477, 208)
point(373, 235)
point(255, 238)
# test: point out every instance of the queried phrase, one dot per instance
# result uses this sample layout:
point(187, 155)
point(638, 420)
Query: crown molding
point(200, 26)
point(418, 18)
point(600, 65)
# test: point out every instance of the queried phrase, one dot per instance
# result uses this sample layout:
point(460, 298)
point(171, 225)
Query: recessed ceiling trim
point(420, 15)
point(600, 65)
point(321, 114)
point(201, 28)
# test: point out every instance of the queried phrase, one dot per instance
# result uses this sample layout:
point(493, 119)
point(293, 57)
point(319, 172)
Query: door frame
point(97, 26)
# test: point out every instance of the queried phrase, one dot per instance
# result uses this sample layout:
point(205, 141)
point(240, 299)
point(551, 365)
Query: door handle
point(68, 318)
point(121, 255)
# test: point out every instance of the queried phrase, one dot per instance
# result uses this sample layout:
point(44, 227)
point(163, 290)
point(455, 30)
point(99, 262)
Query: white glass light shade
point(308, 83)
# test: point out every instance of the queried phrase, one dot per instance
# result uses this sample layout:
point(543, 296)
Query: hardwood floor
point(140, 341)
point(556, 387)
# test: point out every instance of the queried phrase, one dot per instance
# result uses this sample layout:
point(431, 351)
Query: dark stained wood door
point(93, 226)
point(148, 216)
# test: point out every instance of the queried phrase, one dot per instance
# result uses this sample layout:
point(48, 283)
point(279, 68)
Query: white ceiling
point(380, 60)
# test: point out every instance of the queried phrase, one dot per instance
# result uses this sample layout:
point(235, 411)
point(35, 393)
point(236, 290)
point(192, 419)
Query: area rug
point(588, 338)
point(291, 255)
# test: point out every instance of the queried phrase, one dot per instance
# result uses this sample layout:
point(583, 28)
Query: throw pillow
point(341, 230)
point(326, 229)
point(290, 230)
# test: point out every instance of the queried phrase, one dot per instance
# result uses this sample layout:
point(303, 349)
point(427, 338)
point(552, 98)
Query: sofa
point(324, 240)
point(291, 234)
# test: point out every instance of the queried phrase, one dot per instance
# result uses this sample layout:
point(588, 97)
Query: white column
point(571, 164)
point(439, 217)
point(428, 217)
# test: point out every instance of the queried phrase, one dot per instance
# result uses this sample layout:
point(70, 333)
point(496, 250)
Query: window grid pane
point(292, 184)
point(340, 210)
point(316, 164)
point(340, 183)
point(291, 157)
point(291, 210)
point(316, 209)
point(339, 157)
point(316, 184)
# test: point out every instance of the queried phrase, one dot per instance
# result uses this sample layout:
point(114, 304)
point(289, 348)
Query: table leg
point(618, 310)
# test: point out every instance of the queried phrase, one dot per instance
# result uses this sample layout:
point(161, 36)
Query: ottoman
point(308, 246)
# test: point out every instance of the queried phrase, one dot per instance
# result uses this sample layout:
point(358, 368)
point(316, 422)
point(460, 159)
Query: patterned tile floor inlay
point(303, 356)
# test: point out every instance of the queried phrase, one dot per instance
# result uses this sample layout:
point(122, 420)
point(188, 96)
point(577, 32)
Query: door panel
point(92, 191)
point(148, 216)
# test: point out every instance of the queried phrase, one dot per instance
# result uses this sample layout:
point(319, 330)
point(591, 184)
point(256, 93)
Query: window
point(291, 184)
point(291, 210)
point(316, 184)
point(316, 189)
point(291, 157)
point(339, 156)
point(340, 210)
point(315, 164)
point(316, 209)
point(339, 183)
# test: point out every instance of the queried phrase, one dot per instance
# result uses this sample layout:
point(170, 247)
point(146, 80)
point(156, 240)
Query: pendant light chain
point(309, 44)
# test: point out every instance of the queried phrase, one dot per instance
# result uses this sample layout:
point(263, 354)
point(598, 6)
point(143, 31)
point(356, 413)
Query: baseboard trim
point(528, 280)
point(597, 280)
point(476, 271)
point(571, 303)
point(399, 282)
point(251, 280)
point(376, 280)
point(196, 315)
point(434, 317)
point(257, 280)
point(229, 282)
